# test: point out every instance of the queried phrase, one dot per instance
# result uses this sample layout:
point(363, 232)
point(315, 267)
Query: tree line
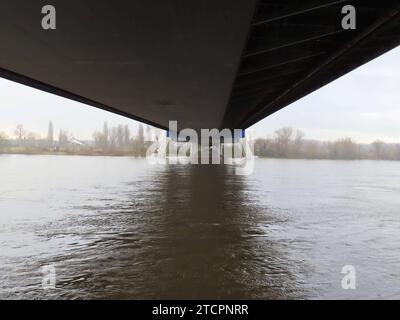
point(290, 143)
point(114, 140)
point(118, 140)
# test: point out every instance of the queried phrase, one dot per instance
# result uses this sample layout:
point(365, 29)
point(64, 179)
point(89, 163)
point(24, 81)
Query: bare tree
point(50, 135)
point(298, 143)
point(346, 149)
point(127, 136)
point(98, 139)
point(377, 149)
point(283, 138)
point(311, 150)
point(105, 135)
point(63, 140)
point(113, 138)
point(3, 140)
point(20, 133)
point(120, 136)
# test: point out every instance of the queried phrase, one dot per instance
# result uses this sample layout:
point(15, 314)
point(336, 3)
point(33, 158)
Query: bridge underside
point(206, 64)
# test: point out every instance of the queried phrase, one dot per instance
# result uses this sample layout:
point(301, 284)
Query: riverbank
point(129, 154)
point(70, 153)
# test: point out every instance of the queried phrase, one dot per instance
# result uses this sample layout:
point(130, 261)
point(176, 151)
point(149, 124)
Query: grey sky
point(364, 104)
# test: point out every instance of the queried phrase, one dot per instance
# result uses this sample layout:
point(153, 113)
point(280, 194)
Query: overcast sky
point(364, 105)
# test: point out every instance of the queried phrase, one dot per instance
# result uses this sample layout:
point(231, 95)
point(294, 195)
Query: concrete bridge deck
point(206, 64)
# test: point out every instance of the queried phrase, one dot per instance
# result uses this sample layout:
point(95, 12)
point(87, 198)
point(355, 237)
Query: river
point(120, 228)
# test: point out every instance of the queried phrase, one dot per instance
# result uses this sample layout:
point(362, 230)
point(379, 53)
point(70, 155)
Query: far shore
point(66, 153)
point(122, 154)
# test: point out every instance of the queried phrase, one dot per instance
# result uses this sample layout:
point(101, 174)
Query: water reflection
point(208, 241)
point(186, 232)
point(190, 233)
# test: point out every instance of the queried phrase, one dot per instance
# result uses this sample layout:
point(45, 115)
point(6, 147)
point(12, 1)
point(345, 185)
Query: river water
point(120, 228)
